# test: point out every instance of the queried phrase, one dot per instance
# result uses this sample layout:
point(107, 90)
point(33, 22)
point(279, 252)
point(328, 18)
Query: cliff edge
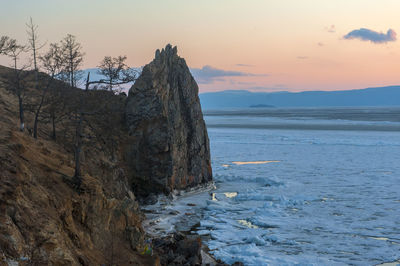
point(163, 113)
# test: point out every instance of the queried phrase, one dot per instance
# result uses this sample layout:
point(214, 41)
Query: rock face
point(170, 146)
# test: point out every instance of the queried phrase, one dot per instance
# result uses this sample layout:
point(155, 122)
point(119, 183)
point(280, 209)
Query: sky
point(257, 45)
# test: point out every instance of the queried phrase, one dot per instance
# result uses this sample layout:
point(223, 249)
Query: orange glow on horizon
point(285, 44)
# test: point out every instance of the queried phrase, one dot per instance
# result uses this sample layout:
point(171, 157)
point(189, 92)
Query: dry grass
point(43, 218)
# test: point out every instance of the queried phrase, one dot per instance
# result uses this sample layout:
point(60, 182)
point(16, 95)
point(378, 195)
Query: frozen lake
point(304, 186)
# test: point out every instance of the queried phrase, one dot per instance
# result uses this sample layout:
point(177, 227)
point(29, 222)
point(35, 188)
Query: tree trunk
point(53, 121)
point(35, 68)
point(87, 81)
point(72, 70)
point(38, 110)
point(21, 114)
point(35, 124)
point(78, 148)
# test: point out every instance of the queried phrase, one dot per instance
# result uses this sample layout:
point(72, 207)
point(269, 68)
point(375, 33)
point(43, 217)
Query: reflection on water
point(380, 238)
point(255, 162)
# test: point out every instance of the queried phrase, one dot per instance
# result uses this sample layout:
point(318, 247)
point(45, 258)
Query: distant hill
point(379, 96)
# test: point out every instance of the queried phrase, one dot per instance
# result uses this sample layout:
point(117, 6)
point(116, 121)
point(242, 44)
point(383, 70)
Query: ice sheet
point(331, 197)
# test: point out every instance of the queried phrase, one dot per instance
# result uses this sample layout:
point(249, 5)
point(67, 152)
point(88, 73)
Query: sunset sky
point(258, 45)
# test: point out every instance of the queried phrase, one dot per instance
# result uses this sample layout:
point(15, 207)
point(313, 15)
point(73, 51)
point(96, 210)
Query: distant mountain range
point(379, 96)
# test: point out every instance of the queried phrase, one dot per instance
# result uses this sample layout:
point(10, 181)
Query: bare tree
point(95, 117)
point(78, 110)
point(94, 108)
point(18, 85)
point(73, 57)
point(34, 46)
point(115, 71)
point(52, 64)
point(5, 42)
point(56, 108)
point(80, 116)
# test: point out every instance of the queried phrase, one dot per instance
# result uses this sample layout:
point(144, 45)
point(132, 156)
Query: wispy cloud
point(209, 74)
point(241, 83)
point(331, 29)
point(320, 44)
point(302, 57)
point(364, 34)
point(244, 65)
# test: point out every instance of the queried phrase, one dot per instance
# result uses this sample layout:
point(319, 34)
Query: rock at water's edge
point(170, 147)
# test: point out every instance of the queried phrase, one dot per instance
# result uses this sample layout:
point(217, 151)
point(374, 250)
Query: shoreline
point(178, 212)
point(171, 224)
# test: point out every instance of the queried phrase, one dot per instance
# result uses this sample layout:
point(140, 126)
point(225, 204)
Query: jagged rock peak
point(168, 51)
point(170, 147)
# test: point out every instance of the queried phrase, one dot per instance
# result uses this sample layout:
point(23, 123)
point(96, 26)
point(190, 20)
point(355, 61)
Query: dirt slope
point(44, 220)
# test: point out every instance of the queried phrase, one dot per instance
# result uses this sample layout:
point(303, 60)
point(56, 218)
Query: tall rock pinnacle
point(170, 147)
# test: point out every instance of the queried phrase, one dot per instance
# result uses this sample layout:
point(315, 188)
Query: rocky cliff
point(170, 149)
